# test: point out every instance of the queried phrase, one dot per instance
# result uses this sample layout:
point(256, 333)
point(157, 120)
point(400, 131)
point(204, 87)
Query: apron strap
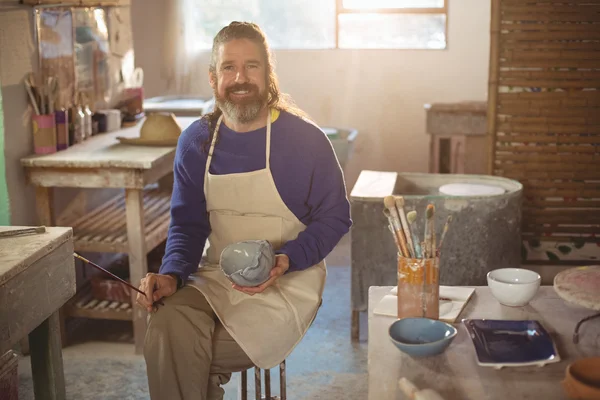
point(214, 141)
point(268, 150)
point(211, 150)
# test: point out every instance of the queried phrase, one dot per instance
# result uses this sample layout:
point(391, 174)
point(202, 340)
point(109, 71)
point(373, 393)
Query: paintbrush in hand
point(115, 277)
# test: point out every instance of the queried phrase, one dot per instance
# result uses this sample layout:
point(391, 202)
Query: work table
point(37, 277)
point(455, 374)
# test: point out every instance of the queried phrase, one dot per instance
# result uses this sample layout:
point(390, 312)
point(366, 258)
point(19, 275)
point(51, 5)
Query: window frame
point(340, 9)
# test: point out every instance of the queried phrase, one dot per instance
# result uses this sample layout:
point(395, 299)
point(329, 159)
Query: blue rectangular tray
point(506, 343)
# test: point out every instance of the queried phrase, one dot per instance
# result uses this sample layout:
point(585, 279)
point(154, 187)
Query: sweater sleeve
point(189, 227)
point(329, 210)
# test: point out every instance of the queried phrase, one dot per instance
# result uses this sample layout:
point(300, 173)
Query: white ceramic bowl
point(514, 287)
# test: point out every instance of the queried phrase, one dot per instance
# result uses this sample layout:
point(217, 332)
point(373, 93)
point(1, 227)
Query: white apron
point(247, 206)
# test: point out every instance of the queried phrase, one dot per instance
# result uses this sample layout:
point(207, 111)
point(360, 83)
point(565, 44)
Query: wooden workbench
point(455, 373)
point(37, 276)
point(134, 222)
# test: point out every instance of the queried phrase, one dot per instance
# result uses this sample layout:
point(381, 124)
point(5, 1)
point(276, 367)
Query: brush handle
point(446, 226)
point(418, 251)
point(427, 241)
point(399, 232)
point(432, 242)
point(405, 228)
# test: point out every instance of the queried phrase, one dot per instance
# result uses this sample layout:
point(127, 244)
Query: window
point(391, 24)
point(323, 24)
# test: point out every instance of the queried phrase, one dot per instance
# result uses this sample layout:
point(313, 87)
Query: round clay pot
point(582, 379)
point(248, 263)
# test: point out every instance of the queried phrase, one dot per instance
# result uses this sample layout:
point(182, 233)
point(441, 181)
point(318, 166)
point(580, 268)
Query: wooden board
point(374, 185)
point(105, 151)
point(20, 252)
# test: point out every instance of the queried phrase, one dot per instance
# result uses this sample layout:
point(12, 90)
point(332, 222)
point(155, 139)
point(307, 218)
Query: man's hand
point(155, 286)
point(282, 264)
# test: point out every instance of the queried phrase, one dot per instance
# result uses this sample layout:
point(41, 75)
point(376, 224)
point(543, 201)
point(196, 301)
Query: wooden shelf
point(104, 229)
point(84, 305)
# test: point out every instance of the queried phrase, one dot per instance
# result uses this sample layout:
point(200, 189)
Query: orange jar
point(418, 287)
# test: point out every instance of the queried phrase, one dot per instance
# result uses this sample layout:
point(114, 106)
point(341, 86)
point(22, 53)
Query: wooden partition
point(544, 121)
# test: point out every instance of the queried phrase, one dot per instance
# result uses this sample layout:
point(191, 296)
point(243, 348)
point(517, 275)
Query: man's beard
point(241, 111)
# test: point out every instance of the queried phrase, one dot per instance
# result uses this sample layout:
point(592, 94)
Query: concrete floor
point(325, 365)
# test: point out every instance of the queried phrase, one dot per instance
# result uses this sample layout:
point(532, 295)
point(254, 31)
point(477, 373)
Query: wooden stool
point(243, 384)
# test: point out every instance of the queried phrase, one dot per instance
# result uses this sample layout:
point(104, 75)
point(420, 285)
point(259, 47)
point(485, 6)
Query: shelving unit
point(104, 229)
point(84, 305)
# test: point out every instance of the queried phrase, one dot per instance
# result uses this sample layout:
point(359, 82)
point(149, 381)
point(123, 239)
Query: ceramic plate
point(500, 343)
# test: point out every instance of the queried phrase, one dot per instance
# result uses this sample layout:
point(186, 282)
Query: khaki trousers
point(188, 353)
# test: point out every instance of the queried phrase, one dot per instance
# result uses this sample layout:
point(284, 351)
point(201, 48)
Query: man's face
point(240, 82)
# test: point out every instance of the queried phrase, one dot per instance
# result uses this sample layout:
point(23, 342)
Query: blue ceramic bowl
point(422, 337)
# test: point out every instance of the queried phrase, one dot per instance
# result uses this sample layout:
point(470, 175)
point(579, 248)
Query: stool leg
point(257, 384)
point(243, 385)
point(268, 384)
point(282, 380)
point(355, 325)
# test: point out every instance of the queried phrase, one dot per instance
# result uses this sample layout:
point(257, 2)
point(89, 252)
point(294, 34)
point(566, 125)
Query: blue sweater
point(305, 170)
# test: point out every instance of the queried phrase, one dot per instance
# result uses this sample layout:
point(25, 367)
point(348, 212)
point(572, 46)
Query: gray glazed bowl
point(422, 337)
point(248, 263)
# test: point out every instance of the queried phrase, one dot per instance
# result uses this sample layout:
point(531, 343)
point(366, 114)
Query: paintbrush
point(432, 229)
point(396, 232)
point(446, 226)
point(25, 231)
point(400, 209)
point(429, 235)
point(411, 217)
point(390, 204)
point(115, 277)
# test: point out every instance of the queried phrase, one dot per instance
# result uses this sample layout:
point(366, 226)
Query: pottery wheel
point(470, 189)
point(580, 286)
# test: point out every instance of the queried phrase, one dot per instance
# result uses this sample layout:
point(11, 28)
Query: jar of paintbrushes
point(417, 261)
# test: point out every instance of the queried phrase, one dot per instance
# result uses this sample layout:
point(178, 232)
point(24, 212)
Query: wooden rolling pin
point(413, 393)
point(26, 231)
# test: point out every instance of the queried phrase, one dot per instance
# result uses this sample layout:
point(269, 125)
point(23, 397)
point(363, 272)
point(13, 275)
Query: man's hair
point(275, 98)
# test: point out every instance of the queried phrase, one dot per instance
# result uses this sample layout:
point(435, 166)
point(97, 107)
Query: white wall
point(379, 92)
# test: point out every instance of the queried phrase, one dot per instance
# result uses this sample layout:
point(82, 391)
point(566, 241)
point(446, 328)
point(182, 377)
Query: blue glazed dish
point(422, 337)
point(506, 343)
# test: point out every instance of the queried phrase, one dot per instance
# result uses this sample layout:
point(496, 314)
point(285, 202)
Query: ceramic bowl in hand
point(248, 263)
point(514, 287)
point(422, 337)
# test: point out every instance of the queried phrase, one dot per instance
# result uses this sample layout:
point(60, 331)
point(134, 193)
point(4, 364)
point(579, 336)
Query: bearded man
point(254, 169)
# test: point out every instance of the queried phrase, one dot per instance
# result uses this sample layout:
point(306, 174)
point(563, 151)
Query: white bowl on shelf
point(513, 287)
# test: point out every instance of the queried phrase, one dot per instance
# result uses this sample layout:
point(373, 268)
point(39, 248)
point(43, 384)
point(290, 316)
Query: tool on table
point(115, 277)
point(25, 231)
